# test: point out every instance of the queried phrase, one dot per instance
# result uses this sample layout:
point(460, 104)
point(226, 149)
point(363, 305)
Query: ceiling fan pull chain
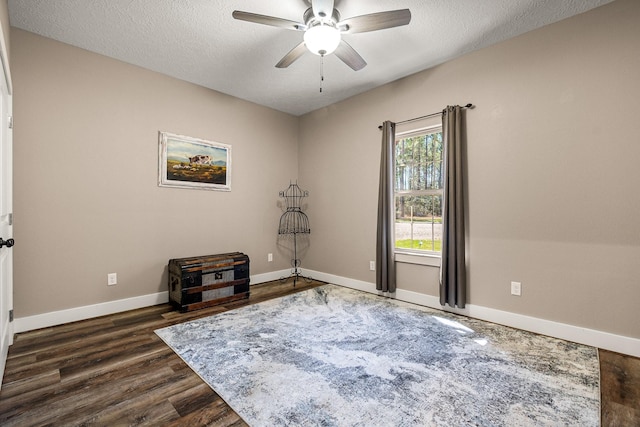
point(321, 72)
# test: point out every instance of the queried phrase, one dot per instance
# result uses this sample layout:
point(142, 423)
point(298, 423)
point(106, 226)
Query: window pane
point(419, 222)
point(419, 162)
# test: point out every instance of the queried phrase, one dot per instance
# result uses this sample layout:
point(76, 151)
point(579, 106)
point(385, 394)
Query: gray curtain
point(453, 277)
point(385, 263)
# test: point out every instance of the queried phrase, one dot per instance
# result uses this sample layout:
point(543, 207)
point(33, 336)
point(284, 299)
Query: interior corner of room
point(551, 176)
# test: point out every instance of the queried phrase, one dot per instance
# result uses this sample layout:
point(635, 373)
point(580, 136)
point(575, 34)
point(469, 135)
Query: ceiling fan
point(323, 30)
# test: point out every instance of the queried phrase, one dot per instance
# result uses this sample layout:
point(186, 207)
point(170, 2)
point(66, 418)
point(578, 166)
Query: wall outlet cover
point(112, 279)
point(516, 288)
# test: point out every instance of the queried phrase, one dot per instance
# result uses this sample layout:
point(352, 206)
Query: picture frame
point(186, 162)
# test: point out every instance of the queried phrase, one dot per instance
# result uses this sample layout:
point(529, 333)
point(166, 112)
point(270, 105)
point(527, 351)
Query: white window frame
point(413, 256)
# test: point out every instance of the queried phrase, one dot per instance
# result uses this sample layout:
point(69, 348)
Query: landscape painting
point(187, 162)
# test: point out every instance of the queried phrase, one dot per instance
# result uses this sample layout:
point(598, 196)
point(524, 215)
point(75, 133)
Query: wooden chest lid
point(207, 259)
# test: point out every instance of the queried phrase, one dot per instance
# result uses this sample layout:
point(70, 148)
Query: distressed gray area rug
point(332, 356)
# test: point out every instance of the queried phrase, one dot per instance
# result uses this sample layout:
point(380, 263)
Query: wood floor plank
point(111, 360)
point(216, 414)
point(176, 316)
point(48, 395)
point(17, 362)
point(96, 331)
point(115, 371)
point(615, 414)
point(194, 399)
point(620, 389)
point(63, 358)
point(135, 316)
point(36, 380)
point(71, 407)
point(156, 414)
point(10, 401)
point(34, 341)
point(130, 405)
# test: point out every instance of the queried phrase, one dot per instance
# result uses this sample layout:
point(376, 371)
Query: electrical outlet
point(269, 257)
point(112, 279)
point(516, 288)
point(372, 265)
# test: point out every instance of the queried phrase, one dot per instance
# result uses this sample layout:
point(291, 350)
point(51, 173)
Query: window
point(418, 191)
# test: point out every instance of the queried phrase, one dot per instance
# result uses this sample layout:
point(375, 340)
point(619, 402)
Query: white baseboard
point(592, 337)
point(268, 277)
point(344, 281)
point(29, 323)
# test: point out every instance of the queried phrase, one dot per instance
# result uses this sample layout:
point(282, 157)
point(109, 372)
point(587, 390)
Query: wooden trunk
point(208, 280)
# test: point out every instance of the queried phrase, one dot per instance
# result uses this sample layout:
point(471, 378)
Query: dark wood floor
point(115, 371)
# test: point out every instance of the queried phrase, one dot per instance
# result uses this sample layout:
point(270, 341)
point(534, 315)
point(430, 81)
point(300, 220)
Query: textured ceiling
point(199, 41)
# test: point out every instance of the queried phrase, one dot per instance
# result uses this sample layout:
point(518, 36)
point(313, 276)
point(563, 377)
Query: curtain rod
point(426, 117)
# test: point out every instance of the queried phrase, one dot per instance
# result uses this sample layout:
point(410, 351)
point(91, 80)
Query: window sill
point(420, 259)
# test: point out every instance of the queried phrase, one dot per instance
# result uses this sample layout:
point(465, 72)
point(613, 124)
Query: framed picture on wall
point(187, 162)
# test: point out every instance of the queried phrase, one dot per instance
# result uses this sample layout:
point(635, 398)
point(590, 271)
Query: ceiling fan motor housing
point(309, 17)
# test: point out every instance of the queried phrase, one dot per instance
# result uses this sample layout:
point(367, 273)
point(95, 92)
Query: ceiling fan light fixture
point(322, 39)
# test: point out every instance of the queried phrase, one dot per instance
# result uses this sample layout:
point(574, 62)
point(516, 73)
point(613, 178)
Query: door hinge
point(10, 122)
point(10, 219)
point(11, 315)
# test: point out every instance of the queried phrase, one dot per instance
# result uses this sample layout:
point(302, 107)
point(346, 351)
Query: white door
point(6, 216)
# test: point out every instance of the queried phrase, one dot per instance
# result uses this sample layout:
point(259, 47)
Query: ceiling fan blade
point(268, 20)
point(292, 56)
point(349, 56)
point(322, 8)
point(375, 21)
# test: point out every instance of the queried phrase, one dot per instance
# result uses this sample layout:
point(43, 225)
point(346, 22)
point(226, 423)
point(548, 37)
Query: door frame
point(6, 143)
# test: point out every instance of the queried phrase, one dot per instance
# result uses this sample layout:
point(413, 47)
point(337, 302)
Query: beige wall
point(4, 23)
point(553, 152)
point(87, 201)
point(553, 176)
